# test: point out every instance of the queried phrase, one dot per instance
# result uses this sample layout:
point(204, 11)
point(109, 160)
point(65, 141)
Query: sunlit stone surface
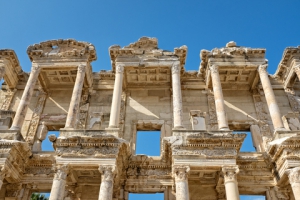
point(199, 115)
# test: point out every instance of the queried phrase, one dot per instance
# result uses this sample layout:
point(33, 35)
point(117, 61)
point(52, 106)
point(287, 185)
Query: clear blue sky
point(273, 25)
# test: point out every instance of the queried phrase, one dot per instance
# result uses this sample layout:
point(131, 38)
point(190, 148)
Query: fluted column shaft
point(219, 99)
point(107, 182)
point(230, 182)
point(76, 96)
point(177, 98)
point(116, 99)
point(59, 183)
point(294, 178)
point(181, 182)
point(270, 98)
point(25, 100)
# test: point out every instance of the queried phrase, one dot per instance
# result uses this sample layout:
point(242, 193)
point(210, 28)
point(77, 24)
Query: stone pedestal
point(76, 96)
point(181, 182)
point(177, 98)
point(270, 98)
point(230, 182)
point(59, 183)
point(219, 99)
point(116, 99)
point(25, 100)
point(294, 178)
point(107, 181)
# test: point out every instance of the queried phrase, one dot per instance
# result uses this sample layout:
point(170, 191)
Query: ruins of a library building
point(203, 117)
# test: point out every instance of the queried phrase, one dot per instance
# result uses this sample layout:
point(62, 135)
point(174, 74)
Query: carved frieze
point(212, 111)
point(36, 116)
point(9, 94)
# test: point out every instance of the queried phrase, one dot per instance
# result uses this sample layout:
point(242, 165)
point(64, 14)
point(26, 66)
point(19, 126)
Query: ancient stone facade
point(199, 115)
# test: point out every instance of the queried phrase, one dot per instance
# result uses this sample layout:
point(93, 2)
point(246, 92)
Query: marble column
point(25, 100)
point(59, 183)
point(76, 96)
point(230, 182)
point(219, 99)
point(177, 98)
point(270, 98)
point(294, 178)
point(116, 99)
point(297, 70)
point(181, 182)
point(107, 182)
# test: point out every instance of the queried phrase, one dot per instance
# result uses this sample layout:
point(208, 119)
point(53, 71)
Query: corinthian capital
point(230, 172)
point(181, 172)
point(61, 171)
point(294, 175)
point(107, 172)
point(214, 69)
point(119, 68)
point(81, 68)
point(176, 67)
point(35, 68)
point(263, 68)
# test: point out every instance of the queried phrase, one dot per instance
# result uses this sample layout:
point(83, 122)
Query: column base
point(179, 128)
point(224, 129)
point(113, 131)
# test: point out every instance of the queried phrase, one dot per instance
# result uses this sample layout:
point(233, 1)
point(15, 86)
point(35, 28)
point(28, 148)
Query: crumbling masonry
point(198, 113)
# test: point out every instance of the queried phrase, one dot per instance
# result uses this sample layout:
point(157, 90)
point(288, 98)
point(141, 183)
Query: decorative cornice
point(60, 49)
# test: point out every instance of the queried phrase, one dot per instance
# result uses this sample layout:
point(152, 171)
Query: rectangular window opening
point(148, 143)
point(247, 145)
point(40, 195)
point(252, 197)
point(156, 196)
